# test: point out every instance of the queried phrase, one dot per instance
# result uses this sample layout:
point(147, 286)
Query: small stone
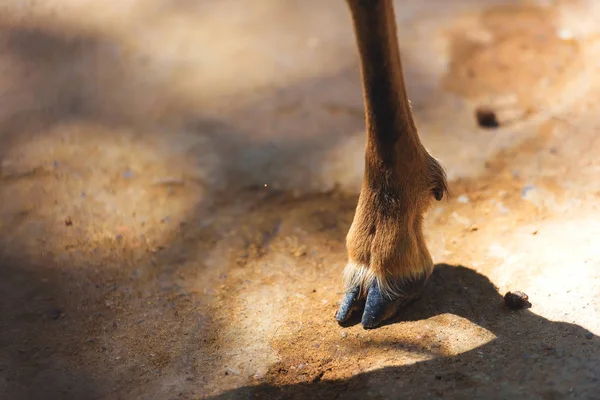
point(232, 371)
point(589, 335)
point(68, 221)
point(463, 198)
point(344, 334)
point(516, 300)
point(486, 117)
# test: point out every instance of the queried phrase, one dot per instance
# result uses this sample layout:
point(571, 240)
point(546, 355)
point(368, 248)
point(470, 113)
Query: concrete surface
point(177, 179)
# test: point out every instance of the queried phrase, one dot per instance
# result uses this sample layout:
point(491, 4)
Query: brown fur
point(385, 242)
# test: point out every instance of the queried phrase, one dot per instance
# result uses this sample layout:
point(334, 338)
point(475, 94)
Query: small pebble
point(68, 221)
point(344, 334)
point(516, 300)
point(232, 371)
point(589, 335)
point(486, 118)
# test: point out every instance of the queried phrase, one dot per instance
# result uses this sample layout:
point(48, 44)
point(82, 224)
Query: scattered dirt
point(177, 180)
point(514, 59)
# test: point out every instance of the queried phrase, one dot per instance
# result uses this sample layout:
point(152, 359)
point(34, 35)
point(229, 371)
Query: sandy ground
point(177, 179)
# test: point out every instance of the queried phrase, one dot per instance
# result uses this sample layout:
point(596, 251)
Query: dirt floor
point(177, 179)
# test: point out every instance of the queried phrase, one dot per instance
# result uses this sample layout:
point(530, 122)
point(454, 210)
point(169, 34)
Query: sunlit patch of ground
point(177, 179)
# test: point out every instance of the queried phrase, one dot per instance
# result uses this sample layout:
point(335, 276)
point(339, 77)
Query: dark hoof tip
point(348, 305)
point(378, 308)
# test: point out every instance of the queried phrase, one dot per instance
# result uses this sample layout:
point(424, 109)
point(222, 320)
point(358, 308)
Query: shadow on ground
point(526, 346)
point(90, 311)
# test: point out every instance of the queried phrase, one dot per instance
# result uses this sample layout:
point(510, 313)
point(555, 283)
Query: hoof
point(378, 307)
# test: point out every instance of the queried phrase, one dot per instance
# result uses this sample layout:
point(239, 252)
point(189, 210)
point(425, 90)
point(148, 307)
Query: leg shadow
point(531, 356)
